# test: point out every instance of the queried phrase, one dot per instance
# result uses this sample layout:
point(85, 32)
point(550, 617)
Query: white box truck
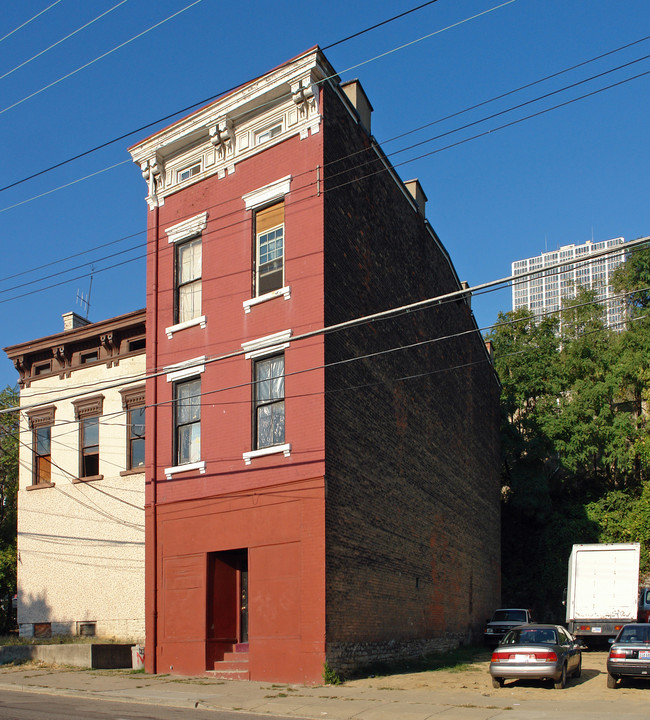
point(603, 588)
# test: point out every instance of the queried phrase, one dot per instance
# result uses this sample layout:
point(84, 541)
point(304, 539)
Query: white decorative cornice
point(185, 369)
point(267, 345)
point(223, 134)
point(154, 179)
point(187, 228)
point(273, 191)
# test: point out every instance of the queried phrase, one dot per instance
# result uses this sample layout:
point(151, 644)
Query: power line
point(378, 316)
point(169, 116)
point(20, 27)
point(100, 57)
point(58, 42)
point(66, 185)
point(378, 25)
point(452, 131)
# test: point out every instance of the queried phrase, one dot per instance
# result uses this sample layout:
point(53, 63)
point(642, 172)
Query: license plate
point(520, 657)
point(644, 654)
point(596, 629)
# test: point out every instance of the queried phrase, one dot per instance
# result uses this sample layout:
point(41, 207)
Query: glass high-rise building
point(544, 291)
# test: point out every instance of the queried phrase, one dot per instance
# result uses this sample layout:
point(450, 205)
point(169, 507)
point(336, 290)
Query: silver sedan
point(537, 652)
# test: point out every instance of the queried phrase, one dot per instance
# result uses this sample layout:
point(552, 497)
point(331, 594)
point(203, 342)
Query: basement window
point(43, 630)
point(87, 629)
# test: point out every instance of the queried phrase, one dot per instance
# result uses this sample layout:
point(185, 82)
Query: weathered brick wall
point(412, 516)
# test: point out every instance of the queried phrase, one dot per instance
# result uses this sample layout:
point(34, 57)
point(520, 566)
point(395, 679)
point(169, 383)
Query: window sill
point(132, 471)
point(90, 478)
point(200, 466)
point(280, 292)
point(201, 320)
point(40, 486)
point(273, 450)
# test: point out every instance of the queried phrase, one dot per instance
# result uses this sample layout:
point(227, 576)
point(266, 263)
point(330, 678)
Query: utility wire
point(62, 187)
point(100, 57)
point(501, 323)
point(460, 112)
point(58, 42)
point(382, 315)
point(378, 25)
point(147, 126)
point(404, 149)
point(20, 27)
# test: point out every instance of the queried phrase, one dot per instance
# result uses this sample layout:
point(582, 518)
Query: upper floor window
point(42, 368)
point(87, 412)
point(89, 444)
point(269, 248)
point(268, 401)
point(188, 280)
point(40, 422)
point(133, 403)
point(89, 357)
point(187, 421)
point(268, 133)
point(188, 172)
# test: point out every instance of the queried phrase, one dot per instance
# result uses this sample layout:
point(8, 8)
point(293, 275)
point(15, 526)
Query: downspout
point(154, 444)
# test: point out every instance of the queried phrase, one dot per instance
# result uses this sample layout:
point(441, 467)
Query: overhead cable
point(31, 19)
point(58, 42)
point(356, 322)
point(100, 57)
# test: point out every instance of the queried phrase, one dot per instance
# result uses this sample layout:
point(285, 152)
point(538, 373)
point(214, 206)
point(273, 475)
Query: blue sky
point(568, 175)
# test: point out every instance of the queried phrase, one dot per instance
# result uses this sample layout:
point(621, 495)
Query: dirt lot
point(591, 685)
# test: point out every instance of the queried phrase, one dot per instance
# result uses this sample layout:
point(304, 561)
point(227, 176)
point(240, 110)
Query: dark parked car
point(503, 620)
point(629, 655)
point(537, 652)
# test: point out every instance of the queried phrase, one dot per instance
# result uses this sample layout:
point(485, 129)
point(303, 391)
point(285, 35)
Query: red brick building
point(312, 496)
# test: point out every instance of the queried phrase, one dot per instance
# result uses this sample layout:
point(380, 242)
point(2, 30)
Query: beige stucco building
point(81, 486)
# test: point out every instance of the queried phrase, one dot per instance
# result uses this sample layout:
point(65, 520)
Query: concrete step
point(231, 670)
point(236, 656)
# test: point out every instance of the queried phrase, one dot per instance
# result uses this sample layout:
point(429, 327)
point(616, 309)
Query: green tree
point(633, 278)
point(575, 444)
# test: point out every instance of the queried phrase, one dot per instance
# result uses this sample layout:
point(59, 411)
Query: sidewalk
point(344, 702)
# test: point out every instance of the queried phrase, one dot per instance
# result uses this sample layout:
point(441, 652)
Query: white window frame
point(180, 232)
point(192, 170)
point(175, 373)
point(256, 200)
point(268, 132)
point(259, 349)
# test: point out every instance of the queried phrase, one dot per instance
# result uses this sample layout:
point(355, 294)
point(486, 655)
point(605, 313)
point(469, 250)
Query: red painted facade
point(247, 557)
point(273, 509)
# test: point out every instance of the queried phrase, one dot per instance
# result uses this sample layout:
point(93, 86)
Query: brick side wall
point(412, 515)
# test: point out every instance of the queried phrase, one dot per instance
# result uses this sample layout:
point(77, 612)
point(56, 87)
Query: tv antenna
point(84, 301)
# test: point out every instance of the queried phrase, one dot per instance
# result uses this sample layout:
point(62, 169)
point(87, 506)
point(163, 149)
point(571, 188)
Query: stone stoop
point(234, 665)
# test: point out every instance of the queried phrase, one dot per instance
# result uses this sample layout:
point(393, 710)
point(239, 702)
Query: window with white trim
point(188, 172)
point(188, 280)
point(268, 401)
point(268, 133)
point(269, 249)
point(187, 421)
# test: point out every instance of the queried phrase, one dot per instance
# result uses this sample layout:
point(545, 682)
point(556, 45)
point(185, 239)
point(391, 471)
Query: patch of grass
point(330, 677)
point(458, 660)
